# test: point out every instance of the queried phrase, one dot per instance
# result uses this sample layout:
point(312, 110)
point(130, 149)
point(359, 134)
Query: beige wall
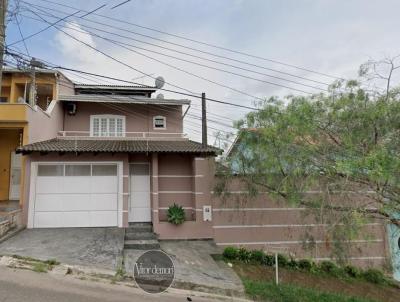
point(270, 224)
point(139, 118)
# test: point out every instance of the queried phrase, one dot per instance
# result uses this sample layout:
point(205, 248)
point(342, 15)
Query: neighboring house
point(19, 118)
point(271, 224)
point(119, 156)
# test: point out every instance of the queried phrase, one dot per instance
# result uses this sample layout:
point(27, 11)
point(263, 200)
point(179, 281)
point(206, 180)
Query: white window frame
point(108, 117)
point(159, 117)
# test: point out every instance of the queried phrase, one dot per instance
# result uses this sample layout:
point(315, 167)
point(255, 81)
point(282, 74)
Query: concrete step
point(140, 236)
point(141, 244)
point(140, 229)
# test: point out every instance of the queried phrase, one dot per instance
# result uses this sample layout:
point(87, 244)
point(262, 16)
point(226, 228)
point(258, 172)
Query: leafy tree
point(343, 146)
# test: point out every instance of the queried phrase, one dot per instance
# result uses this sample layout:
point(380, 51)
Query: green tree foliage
point(334, 145)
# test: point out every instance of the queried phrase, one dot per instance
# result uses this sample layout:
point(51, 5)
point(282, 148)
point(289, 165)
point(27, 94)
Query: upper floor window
point(159, 122)
point(107, 125)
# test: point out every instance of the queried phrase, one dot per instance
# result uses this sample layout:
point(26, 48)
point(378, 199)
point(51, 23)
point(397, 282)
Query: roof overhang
point(89, 98)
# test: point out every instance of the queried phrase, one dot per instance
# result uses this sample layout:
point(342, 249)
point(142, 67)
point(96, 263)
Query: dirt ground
point(324, 283)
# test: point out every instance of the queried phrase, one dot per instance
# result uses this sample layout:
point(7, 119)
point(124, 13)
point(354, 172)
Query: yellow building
point(16, 111)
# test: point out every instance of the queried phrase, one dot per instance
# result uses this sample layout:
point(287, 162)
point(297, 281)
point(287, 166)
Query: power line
point(133, 113)
point(167, 64)
point(204, 43)
point(122, 44)
point(42, 30)
point(22, 36)
point(183, 46)
point(137, 70)
point(92, 11)
point(120, 4)
point(131, 82)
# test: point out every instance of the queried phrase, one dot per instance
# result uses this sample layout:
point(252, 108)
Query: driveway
point(195, 269)
point(89, 247)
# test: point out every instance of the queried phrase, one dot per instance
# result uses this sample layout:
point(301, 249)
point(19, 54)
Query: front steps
point(140, 236)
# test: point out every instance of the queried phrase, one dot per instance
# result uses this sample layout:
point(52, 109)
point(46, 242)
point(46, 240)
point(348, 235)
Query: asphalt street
point(24, 285)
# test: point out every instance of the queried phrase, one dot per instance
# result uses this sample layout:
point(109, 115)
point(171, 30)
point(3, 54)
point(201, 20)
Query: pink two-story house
point(120, 156)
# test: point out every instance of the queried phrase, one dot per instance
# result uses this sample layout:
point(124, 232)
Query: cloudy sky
point(330, 37)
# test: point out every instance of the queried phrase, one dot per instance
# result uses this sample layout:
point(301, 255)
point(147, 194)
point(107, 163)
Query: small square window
point(159, 122)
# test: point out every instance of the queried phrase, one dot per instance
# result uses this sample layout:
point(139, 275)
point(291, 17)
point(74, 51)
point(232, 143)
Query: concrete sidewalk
point(99, 248)
point(195, 269)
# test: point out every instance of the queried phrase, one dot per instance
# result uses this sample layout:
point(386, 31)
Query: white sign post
point(276, 269)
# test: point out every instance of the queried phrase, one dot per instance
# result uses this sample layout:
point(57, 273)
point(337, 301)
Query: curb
point(11, 233)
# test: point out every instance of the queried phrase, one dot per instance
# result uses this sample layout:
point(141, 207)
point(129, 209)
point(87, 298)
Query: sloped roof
point(119, 146)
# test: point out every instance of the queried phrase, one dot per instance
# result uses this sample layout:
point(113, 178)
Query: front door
point(15, 176)
point(139, 204)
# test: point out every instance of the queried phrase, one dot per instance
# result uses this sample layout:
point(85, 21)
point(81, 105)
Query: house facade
point(109, 155)
point(119, 156)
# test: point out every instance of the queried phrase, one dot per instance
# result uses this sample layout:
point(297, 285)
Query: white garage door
point(76, 195)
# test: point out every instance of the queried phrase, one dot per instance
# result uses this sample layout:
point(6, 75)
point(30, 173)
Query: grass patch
point(268, 291)
point(40, 267)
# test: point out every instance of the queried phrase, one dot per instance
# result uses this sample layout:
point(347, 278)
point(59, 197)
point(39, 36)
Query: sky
point(332, 37)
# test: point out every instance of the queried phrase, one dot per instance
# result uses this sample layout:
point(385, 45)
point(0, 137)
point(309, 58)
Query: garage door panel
point(76, 202)
point(76, 184)
point(49, 184)
point(104, 218)
point(75, 219)
point(104, 202)
point(48, 202)
point(68, 196)
point(48, 220)
point(104, 184)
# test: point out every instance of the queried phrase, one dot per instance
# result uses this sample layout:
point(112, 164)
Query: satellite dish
point(159, 83)
point(160, 96)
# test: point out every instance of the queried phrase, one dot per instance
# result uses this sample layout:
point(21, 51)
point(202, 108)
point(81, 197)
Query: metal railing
point(122, 136)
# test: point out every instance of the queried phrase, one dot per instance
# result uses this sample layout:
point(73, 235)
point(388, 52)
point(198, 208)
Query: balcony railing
point(86, 135)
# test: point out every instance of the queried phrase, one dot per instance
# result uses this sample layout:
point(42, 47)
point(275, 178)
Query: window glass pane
point(119, 127)
point(140, 169)
point(77, 170)
point(159, 122)
point(96, 127)
point(50, 170)
point(111, 127)
point(104, 170)
point(103, 127)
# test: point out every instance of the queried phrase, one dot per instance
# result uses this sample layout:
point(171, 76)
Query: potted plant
point(176, 214)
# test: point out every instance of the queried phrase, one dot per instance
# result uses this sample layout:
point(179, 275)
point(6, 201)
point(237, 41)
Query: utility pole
point(203, 120)
point(3, 9)
point(32, 90)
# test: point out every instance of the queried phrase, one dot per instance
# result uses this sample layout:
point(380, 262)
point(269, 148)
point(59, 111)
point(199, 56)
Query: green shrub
point(292, 264)
point(257, 256)
point(244, 255)
point(305, 264)
point(230, 253)
point(352, 271)
point(282, 260)
point(328, 267)
point(176, 214)
point(269, 260)
point(374, 276)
